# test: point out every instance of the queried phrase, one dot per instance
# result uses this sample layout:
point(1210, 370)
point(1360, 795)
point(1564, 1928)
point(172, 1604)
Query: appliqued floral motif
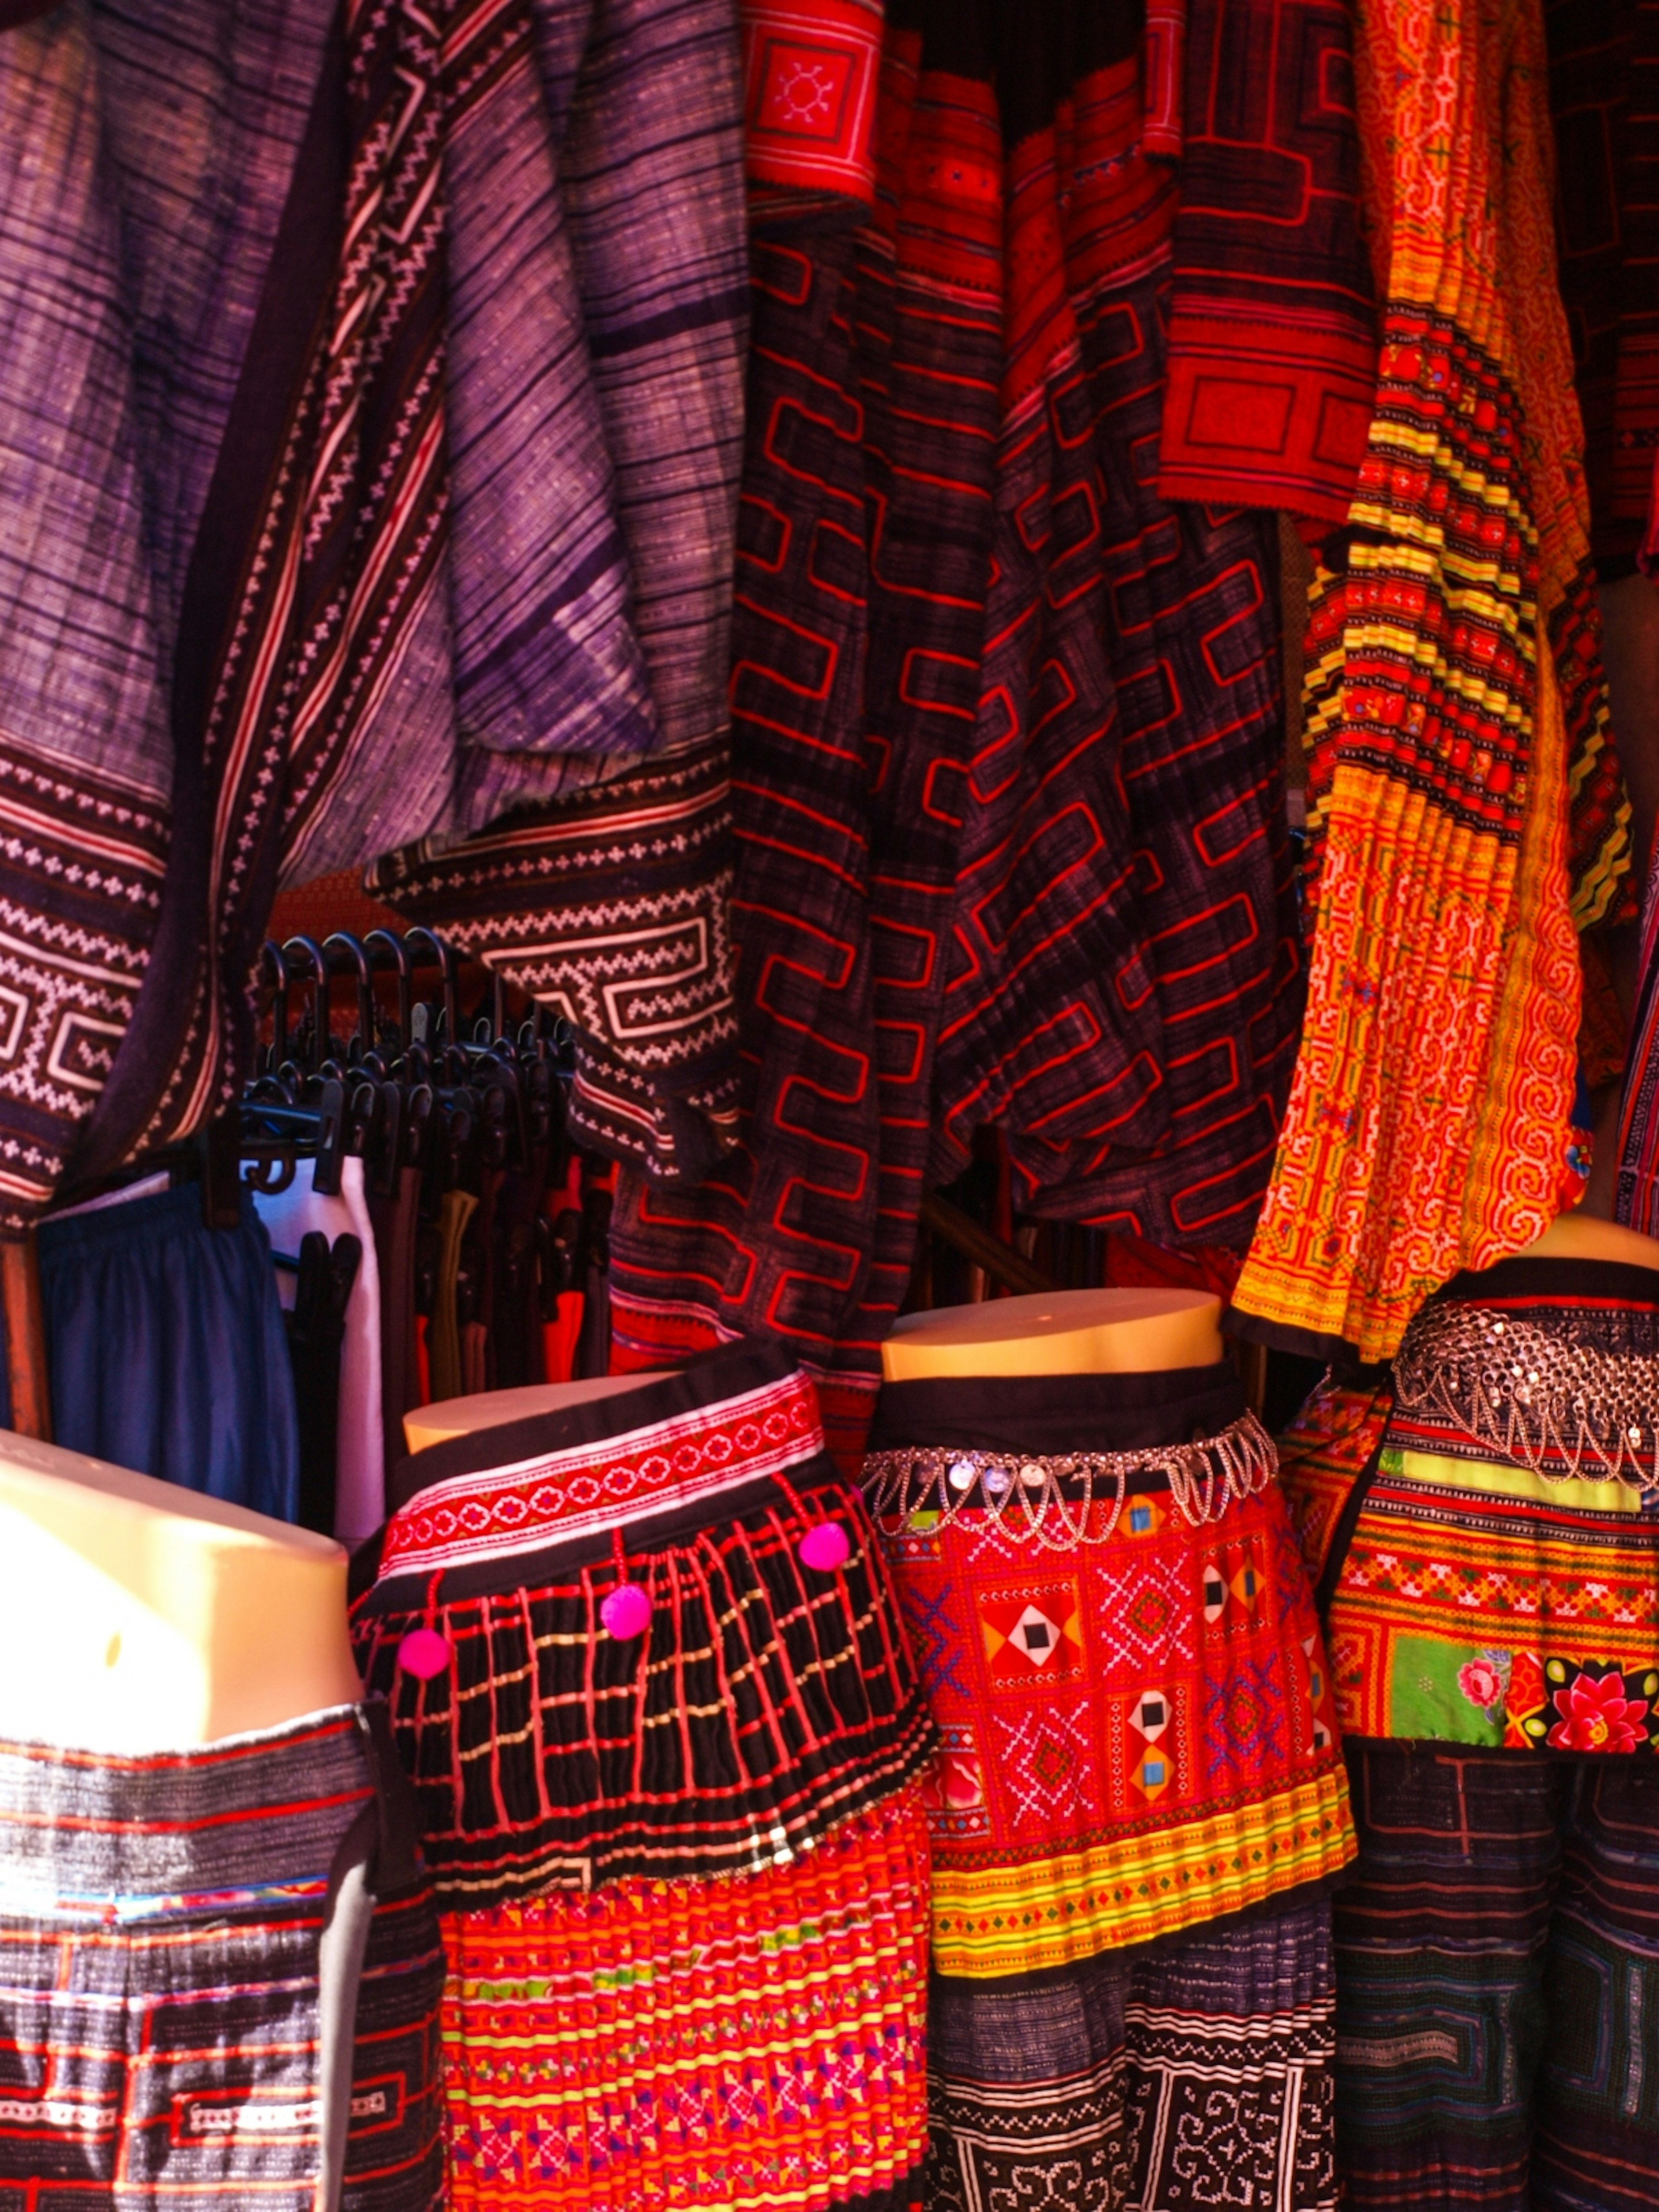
point(1484, 1679)
point(1597, 1715)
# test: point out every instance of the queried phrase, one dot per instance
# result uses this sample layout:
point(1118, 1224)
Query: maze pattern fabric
point(1476, 1600)
point(1123, 996)
point(1494, 1952)
point(167, 2002)
point(865, 544)
point(1604, 99)
point(1191, 2073)
point(756, 2043)
point(1636, 1201)
point(1135, 1729)
point(145, 154)
point(1273, 339)
point(758, 1701)
point(1465, 803)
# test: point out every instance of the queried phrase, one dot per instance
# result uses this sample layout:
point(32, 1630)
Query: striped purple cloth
point(145, 156)
point(444, 523)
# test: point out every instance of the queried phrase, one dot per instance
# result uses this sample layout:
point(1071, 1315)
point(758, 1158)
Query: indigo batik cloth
point(220, 1973)
point(167, 1351)
point(1183, 2073)
point(1484, 1525)
point(649, 1681)
point(1495, 1947)
point(1466, 810)
point(1119, 1643)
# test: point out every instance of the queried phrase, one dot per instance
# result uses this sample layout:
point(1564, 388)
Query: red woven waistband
point(591, 1488)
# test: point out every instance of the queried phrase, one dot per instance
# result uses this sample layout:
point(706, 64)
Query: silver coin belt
point(1529, 1395)
point(1025, 1494)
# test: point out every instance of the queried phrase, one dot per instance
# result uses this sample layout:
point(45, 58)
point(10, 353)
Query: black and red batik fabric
point(864, 556)
point(1123, 995)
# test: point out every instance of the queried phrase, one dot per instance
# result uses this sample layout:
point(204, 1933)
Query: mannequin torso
point(1106, 1332)
point(139, 1617)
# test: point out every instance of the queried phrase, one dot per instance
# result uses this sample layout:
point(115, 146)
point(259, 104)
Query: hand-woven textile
point(863, 566)
point(594, 364)
point(1477, 1597)
point(1188, 2073)
point(765, 1700)
point(169, 2001)
point(145, 154)
point(468, 543)
point(1124, 963)
point(811, 69)
point(1466, 807)
point(1273, 339)
point(756, 2044)
point(1494, 1951)
point(1135, 1729)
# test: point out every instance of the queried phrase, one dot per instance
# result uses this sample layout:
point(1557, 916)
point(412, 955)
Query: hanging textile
point(1604, 100)
point(469, 538)
point(862, 571)
point(1466, 809)
point(1272, 349)
point(1124, 987)
point(145, 158)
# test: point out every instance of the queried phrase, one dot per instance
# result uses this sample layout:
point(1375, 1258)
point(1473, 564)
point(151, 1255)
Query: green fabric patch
point(1437, 1690)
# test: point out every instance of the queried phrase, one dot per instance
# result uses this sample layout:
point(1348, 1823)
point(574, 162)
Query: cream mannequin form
point(1582, 1236)
point(1109, 1332)
point(136, 1617)
point(492, 1409)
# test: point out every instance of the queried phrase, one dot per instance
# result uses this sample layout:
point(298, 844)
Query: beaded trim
point(1527, 1394)
point(1025, 1493)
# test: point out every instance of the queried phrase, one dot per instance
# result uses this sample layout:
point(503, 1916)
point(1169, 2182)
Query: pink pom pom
point(825, 1547)
point(626, 1612)
point(424, 1653)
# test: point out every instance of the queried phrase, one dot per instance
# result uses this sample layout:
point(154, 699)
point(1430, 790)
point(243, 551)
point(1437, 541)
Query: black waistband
point(1047, 1413)
point(1555, 1282)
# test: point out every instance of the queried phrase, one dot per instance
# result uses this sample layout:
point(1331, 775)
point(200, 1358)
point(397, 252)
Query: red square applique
point(802, 92)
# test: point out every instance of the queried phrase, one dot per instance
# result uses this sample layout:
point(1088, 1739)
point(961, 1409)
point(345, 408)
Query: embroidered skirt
point(1485, 1524)
point(648, 1673)
point(1120, 1646)
point(1123, 1658)
point(219, 1977)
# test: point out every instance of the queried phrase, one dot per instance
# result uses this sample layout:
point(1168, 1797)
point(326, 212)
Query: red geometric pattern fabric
point(1123, 997)
point(1273, 343)
point(863, 561)
point(811, 69)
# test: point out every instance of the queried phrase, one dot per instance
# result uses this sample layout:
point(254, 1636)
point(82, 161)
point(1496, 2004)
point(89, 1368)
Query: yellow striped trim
point(1611, 1500)
point(1009, 1920)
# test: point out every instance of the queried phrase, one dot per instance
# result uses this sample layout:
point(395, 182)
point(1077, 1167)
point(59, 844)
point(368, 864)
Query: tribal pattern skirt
point(647, 1674)
point(1136, 1742)
point(220, 1974)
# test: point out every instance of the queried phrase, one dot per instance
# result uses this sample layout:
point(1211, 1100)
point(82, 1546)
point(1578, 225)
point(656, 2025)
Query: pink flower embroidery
point(1597, 1715)
point(1480, 1683)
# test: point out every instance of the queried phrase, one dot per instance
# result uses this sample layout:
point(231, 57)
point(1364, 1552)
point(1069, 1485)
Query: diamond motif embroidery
point(1032, 1634)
